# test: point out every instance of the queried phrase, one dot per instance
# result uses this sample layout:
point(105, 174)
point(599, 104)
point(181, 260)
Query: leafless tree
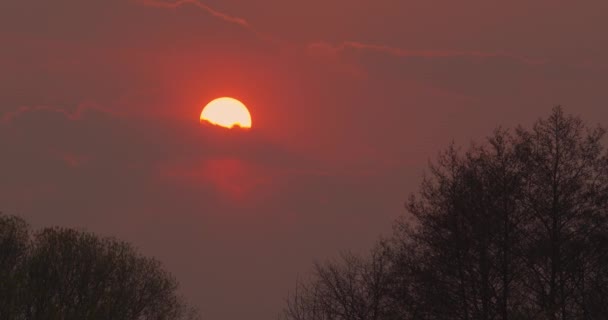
point(566, 200)
point(514, 228)
point(354, 288)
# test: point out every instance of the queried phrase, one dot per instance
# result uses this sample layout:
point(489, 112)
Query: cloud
point(328, 49)
point(213, 12)
point(86, 143)
point(73, 115)
point(334, 53)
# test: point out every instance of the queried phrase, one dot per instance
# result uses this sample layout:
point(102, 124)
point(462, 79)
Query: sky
point(350, 100)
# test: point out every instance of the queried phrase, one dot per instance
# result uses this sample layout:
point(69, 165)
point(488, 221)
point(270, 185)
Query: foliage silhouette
point(515, 228)
point(59, 273)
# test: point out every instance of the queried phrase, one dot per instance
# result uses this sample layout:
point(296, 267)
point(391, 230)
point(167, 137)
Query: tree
point(14, 234)
point(68, 274)
point(467, 235)
point(355, 288)
point(515, 228)
point(566, 199)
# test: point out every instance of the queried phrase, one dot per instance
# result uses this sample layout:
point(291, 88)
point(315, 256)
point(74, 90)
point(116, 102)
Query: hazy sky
point(99, 106)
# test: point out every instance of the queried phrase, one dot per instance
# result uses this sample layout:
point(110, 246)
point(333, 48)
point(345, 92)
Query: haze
point(99, 126)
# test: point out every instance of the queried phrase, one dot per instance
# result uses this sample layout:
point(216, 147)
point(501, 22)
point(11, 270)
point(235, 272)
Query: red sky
point(99, 120)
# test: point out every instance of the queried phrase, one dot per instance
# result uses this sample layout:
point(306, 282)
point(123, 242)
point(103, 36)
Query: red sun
point(226, 112)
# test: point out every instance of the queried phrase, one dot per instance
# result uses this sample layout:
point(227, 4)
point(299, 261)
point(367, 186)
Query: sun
point(226, 112)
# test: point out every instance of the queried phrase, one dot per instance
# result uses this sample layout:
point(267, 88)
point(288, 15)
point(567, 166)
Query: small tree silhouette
point(60, 273)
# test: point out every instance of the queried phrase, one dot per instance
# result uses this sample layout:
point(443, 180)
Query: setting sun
point(226, 112)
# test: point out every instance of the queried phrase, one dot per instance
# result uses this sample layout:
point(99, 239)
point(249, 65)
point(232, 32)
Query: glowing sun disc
point(226, 112)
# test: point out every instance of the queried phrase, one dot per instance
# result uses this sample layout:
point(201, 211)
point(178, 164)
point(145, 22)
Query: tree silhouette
point(354, 288)
point(515, 228)
point(565, 192)
point(60, 273)
point(14, 236)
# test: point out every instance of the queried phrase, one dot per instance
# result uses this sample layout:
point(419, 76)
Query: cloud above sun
point(326, 49)
point(198, 4)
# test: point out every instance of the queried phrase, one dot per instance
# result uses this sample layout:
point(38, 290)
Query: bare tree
point(515, 228)
point(566, 199)
point(354, 288)
point(467, 217)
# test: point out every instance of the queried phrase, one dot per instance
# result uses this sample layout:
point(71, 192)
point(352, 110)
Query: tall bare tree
point(514, 228)
point(566, 199)
point(517, 227)
point(467, 215)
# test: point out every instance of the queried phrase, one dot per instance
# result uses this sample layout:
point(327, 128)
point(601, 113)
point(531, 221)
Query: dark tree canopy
point(515, 228)
point(60, 273)
point(14, 235)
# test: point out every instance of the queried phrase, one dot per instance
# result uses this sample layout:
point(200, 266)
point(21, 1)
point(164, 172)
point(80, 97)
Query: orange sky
point(100, 102)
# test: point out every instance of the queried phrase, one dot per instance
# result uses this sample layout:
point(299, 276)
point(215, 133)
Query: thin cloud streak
point(75, 115)
point(399, 52)
point(213, 12)
point(325, 48)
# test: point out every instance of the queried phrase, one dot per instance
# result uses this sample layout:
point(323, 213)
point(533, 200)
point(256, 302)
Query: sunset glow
point(226, 112)
point(352, 160)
